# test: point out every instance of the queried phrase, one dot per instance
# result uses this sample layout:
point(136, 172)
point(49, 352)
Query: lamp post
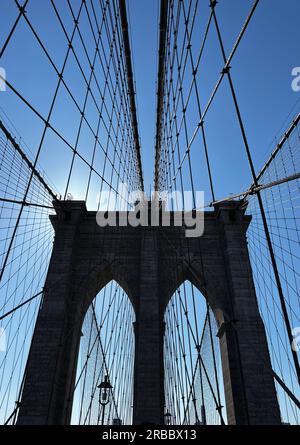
point(104, 395)
point(168, 418)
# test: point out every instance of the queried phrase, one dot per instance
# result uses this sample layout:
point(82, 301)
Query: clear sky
point(261, 71)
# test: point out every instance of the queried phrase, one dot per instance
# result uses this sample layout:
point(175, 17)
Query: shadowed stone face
point(150, 263)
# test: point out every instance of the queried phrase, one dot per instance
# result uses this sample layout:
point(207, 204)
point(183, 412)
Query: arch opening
point(106, 353)
point(194, 390)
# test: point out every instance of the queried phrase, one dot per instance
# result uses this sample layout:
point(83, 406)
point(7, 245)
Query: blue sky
point(261, 71)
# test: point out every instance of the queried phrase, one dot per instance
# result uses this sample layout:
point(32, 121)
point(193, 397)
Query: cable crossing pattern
point(185, 160)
